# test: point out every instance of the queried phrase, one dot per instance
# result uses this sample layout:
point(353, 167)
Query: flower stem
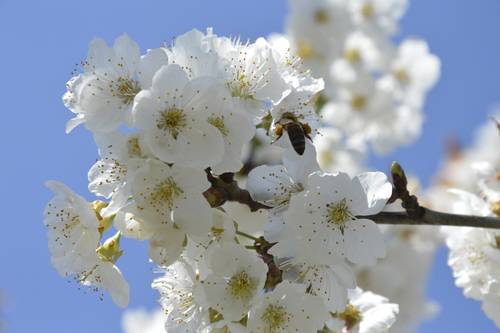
point(244, 234)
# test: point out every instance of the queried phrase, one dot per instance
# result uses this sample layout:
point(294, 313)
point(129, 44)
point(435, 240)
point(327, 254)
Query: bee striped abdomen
point(297, 137)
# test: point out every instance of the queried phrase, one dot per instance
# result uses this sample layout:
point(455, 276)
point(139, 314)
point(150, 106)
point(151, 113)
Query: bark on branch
point(431, 217)
point(418, 215)
point(225, 188)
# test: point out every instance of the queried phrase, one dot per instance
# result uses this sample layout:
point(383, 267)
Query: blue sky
point(43, 40)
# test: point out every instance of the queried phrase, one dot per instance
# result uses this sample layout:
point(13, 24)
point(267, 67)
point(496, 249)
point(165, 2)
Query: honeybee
point(297, 131)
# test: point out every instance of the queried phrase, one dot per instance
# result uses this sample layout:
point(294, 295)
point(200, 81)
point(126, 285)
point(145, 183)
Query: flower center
point(275, 317)
point(321, 16)
point(367, 10)
point(358, 102)
point(495, 208)
point(305, 50)
point(126, 89)
point(217, 233)
point(133, 147)
point(401, 75)
point(218, 122)
point(352, 55)
point(165, 192)
point(172, 121)
point(339, 213)
point(242, 286)
point(240, 87)
point(351, 316)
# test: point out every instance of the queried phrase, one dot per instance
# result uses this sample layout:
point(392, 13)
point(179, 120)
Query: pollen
point(240, 86)
point(401, 75)
point(242, 286)
point(495, 208)
point(172, 120)
point(339, 212)
point(165, 193)
point(358, 102)
point(218, 122)
point(133, 147)
point(367, 10)
point(126, 89)
point(275, 317)
point(351, 315)
point(321, 16)
point(353, 56)
point(305, 50)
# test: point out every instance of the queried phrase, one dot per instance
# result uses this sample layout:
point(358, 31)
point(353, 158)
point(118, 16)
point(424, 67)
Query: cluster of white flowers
point(475, 252)
point(180, 130)
point(374, 89)
point(166, 124)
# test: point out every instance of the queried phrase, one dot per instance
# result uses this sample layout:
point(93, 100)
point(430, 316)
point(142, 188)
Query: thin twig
point(431, 217)
point(244, 234)
point(225, 188)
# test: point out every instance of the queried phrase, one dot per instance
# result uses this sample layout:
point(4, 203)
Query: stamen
point(351, 316)
point(358, 102)
point(126, 89)
point(321, 16)
point(172, 121)
point(275, 317)
point(218, 122)
point(165, 193)
point(339, 213)
point(242, 286)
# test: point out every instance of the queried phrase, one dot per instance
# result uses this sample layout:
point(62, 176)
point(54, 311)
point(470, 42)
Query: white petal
point(166, 246)
point(299, 167)
point(364, 242)
point(193, 215)
point(169, 80)
point(378, 190)
point(266, 183)
point(114, 282)
point(128, 53)
point(150, 63)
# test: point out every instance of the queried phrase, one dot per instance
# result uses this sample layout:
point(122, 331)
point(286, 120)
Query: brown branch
point(431, 217)
point(418, 215)
point(274, 274)
point(225, 188)
point(400, 191)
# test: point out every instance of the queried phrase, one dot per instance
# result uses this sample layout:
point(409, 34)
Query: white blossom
point(121, 155)
point(174, 116)
point(288, 308)
point(329, 216)
point(102, 97)
point(413, 71)
point(182, 299)
point(73, 232)
point(378, 16)
point(236, 281)
point(366, 313)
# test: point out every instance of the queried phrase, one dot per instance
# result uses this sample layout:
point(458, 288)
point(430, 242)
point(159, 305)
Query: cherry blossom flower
point(329, 216)
point(236, 280)
point(73, 232)
point(288, 308)
point(102, 97)
point(174, 115)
